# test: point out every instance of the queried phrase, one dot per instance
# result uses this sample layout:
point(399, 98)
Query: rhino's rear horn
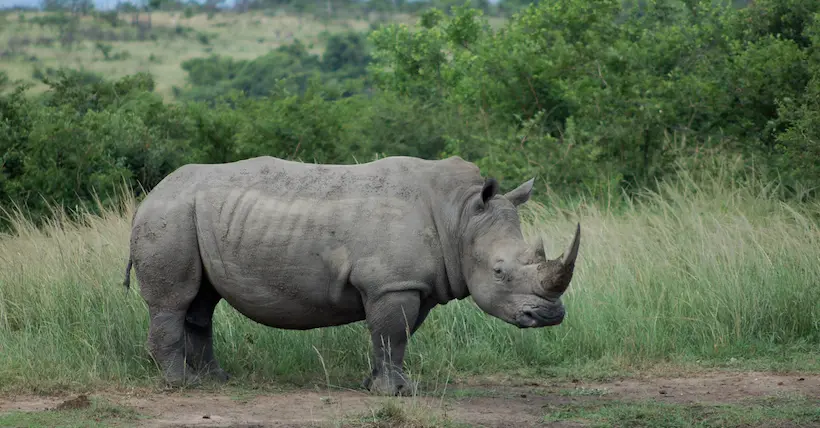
point(538, 249)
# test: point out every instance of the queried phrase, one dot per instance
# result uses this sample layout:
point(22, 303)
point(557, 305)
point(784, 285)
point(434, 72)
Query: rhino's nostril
point(542, 316)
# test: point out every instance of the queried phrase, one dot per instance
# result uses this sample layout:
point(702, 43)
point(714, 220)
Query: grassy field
point(687, 279)
point(715, 276)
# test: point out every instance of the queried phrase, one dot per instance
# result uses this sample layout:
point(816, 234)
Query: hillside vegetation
point(33, 44)
point(586, 96)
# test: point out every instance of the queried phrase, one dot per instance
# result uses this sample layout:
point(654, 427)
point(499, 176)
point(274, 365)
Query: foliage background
point(585, 95)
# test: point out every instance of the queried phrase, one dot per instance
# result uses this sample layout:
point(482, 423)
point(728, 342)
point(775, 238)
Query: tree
point(76, 7)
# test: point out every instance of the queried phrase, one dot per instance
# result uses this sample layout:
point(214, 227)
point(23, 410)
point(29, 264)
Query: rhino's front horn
point(558, 275)
point(569, 256)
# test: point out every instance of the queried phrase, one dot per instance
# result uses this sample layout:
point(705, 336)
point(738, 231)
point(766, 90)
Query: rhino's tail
point(127, 282)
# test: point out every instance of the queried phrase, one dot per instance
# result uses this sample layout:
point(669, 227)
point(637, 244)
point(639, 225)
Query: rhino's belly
point(283, 301)
point(298, 287)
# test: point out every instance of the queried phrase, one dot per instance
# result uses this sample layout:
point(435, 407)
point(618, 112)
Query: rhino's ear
point(520, 194)
point(490, 189)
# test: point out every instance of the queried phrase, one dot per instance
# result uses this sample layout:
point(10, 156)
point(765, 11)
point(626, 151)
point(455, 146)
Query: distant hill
point(101, 4)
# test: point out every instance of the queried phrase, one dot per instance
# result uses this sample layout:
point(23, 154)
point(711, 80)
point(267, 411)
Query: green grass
point(99, 413)
point(714, 276)
point(392, 414)
point(655, 413)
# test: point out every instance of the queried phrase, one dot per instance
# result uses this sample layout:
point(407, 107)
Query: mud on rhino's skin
point(301, 246)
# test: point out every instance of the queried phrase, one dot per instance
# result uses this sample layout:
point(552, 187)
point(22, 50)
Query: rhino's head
point(507, 277)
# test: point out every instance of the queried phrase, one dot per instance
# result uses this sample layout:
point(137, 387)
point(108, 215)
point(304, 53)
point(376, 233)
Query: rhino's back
point(391, 176)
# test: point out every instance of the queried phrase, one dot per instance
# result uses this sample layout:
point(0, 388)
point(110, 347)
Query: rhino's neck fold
point(447, 212)
point(454, 286)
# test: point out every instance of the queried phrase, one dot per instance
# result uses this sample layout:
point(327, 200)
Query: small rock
point(780, 383)
point(206, 417)
point(802, 378)
point(523, 395)
point(662, 392)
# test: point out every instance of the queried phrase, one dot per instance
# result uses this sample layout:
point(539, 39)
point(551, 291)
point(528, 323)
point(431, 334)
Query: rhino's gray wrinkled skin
point(301, 246)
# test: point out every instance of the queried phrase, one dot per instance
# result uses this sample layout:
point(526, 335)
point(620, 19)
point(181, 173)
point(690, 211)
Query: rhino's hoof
point(395, 384)
point(213, 373)
point(219, 375)
point(188, 380)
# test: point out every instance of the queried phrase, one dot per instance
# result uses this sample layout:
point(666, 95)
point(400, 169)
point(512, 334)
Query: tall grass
point(712, 272)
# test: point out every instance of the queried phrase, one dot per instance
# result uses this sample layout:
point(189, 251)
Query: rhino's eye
point(497, 270)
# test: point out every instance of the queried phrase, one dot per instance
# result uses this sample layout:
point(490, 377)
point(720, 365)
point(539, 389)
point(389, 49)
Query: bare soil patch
point(477, 403)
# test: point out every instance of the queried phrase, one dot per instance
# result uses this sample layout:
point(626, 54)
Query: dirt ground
point(489, 403)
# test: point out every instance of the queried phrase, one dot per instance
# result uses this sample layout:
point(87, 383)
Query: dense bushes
point(81, 139)
point(78, 141)
point(583, 94)
point(288, 68)
point(601, 89)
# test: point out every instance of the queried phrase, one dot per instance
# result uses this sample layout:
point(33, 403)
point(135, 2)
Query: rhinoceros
point(300, 246)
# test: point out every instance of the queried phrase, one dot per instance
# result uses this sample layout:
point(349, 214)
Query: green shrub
point(599, 90)
point(83, 139)
point(585, 96)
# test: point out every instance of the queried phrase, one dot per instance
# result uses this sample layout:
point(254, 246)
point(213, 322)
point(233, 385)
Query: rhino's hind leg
point(166, 345)
point(199, 347)
point(169, 270)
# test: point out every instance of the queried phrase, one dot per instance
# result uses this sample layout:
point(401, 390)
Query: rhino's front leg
point(390, 317)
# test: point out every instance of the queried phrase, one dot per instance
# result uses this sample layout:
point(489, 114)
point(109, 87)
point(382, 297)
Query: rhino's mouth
point(540, 317)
